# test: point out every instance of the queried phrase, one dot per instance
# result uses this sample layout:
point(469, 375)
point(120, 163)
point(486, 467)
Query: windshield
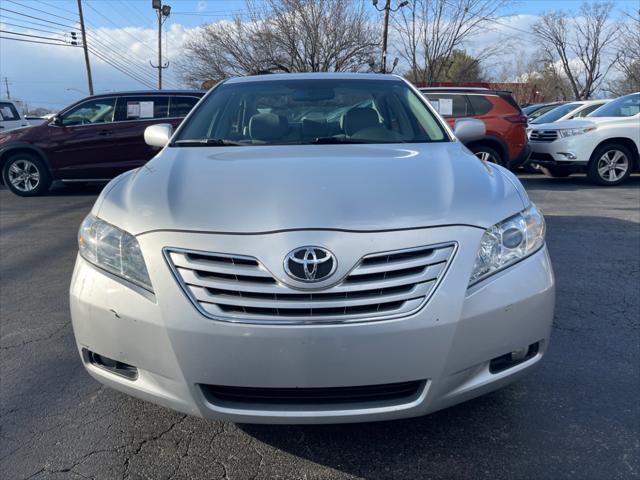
point(531, 108)
point(626, 106)
point(542, 111)
point(315, 111)
point(557, 113)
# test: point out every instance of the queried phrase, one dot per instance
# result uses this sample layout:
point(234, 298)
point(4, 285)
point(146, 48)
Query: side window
point(479, 104)
point(141, 108)
point(586, 111)
point(181, 106)
point(91, 112)
point(8, 112)
point(450, 105)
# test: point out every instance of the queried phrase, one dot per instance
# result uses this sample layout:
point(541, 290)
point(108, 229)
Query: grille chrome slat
point(438, 256)
point(215, 311)
point(217, 267)
point(240, 289)
point(543, 135)
point(203, 295)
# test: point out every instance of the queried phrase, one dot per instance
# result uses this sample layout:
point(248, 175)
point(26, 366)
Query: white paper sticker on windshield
point(146, 109)
point(133, 109)
point(446, 106)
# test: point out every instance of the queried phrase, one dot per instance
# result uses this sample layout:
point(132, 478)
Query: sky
point(124, 33)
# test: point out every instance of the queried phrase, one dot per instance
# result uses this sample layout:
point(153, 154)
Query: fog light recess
point(112, 366)
point(511, 359)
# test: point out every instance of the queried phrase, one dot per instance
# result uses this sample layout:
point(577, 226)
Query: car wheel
point(487, 154)
point(610, 164)
point(26, 175)
point(555, 171)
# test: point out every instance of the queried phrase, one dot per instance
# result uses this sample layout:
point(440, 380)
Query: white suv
point(605, 144)
point(10, 116)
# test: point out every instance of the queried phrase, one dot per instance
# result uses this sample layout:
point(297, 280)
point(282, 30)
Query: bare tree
point(628, 61)
point(286, 36)
point(581, 45)
point(431, 31)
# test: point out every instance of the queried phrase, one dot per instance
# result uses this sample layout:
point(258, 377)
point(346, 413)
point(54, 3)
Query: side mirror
point(56, 120)
point(469, 129)
point(158, 135)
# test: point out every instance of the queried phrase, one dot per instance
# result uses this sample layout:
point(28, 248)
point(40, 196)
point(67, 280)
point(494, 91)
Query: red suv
point(92, 140)
point(505, 142)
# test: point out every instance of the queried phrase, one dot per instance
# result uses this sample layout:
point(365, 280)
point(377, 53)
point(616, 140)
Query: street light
point(163, 13)
point(385, 32)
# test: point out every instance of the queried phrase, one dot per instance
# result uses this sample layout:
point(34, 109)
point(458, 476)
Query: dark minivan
point(94, 139)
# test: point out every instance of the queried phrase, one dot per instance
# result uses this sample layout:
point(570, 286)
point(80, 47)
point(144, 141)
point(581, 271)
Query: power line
point(118, 26)
point(57, 7)
point(123, 62)
point(39, 24)
point(33, 36)
point(117, 67)
point(122, 29)
point(37, 18)
point(41, 11)
point(37, 41)
point(32, 28)
point(133, 62)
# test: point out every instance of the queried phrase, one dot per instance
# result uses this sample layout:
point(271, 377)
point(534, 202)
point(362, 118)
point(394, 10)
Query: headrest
point(314, 128)
point(267, 126)
point(359, 119)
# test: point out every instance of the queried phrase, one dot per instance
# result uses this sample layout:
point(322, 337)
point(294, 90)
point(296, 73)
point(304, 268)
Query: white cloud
point(202, 6)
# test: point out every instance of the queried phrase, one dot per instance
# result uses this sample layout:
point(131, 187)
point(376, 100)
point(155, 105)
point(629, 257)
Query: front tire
point(26, 175)
point(610, 165)
point(488, 154)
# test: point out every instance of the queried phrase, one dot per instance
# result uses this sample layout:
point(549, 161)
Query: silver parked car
point(312, 248)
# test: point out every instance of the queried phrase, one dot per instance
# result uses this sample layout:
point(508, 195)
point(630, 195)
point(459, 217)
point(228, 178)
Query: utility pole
point(163, 13)
point(385, 30)
point(6, 85)
point(85, 47)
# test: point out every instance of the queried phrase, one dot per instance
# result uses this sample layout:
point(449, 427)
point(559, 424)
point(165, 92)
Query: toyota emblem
point(310, 264)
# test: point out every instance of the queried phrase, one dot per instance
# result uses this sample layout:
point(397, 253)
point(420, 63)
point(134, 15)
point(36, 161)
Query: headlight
point(570, 132)
point(508, 242)
point(114, 250)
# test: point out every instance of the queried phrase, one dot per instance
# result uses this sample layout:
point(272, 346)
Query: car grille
point(239, 288)
point(543, 135)
point(312, 396)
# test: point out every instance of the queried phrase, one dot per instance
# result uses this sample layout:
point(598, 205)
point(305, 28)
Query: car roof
point(312, 76)
point(144, 93)
point(455, 88)
point(477, 90)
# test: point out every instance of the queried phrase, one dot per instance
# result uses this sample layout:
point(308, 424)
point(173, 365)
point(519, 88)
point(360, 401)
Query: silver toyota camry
point(312, 248)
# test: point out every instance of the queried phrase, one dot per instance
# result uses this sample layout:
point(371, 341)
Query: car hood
point(575, 123)
point(261, 189)
point(21, 134)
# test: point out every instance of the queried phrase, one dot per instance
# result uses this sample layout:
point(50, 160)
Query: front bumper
point(447, 345)
point(568, 151)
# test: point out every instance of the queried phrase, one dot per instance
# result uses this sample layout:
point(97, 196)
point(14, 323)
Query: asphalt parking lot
point(577, 416)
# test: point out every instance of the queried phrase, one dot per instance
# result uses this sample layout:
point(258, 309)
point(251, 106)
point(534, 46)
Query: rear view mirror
point(469, 129)
point(158, 135)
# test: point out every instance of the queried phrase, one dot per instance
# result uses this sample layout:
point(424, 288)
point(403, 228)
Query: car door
point(10, 117)
point(79, 143)
point(133, 115)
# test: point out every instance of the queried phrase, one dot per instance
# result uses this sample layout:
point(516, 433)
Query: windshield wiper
point(207, 142)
